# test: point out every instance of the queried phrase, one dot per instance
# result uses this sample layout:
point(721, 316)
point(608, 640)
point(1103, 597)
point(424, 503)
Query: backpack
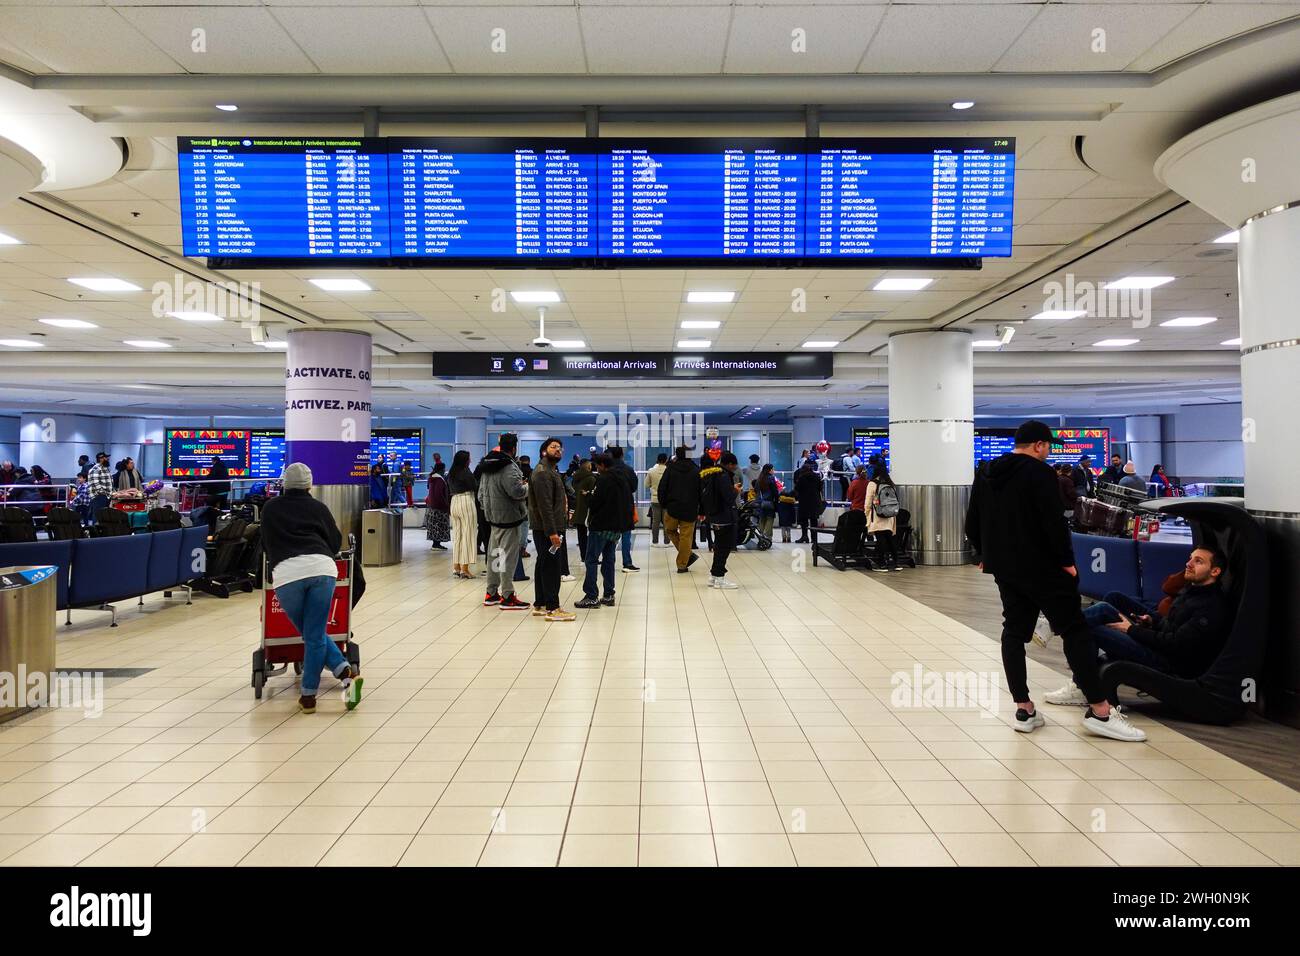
point(887, 504)
point(708, 502)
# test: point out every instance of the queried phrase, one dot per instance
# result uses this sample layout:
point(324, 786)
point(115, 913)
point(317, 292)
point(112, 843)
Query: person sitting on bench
point(1182, 643)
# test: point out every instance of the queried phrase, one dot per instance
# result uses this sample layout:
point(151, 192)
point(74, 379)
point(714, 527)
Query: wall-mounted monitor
point(596, 203)
point(188, 452)
point(1093, 442)
point(393, 446)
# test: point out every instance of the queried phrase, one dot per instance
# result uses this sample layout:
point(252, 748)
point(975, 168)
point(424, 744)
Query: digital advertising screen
point(393, 446)
point(189, 451)
point(1093, 442)
point(266, 453)
point(596, 203)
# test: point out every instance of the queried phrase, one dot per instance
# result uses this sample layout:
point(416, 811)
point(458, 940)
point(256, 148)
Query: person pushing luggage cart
point(301, 539)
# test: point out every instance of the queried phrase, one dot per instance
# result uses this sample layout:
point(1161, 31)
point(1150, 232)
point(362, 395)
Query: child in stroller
point(747, 526)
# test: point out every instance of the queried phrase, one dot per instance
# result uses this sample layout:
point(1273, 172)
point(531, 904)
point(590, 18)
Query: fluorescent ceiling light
point(145, 344)
point(539, 295)
point(900, 285)
point(1115, 343)
point(21, 344)
point(96, 284)
point(963, 104)
point(701, 324)
point(987, 343)
point(1058, 314)
point(227, 107)
point(69, 323)
point(196, 316)
point(1236, 341)
point(341, 285)
point(820, 344)
point(6, 240)
point(1234, 236)
point(1138, 282)
point(569, 344)
point(273, 344)
point(694, 343)
point(1186, 321)
point(702, 296)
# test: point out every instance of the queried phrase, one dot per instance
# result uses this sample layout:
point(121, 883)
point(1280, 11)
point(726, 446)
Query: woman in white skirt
point(464, 515)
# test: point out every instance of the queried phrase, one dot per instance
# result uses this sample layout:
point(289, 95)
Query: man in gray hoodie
point(503, 494)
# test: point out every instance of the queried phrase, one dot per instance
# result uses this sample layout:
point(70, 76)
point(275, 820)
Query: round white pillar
point(1242, 170)
point(471, 435)
point(808, 431)
point(327, 394)
point(932, 436)
point(1144, 437)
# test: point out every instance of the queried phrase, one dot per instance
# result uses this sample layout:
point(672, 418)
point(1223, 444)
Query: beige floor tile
point(289, 849)
point(830, 849)
point(531, 820)
point(1287, 812)
point(136, 849)
point(961, 818)
point(676, 849)
point(673, 820)
point(105, 820)
point(907, 849)
point(373, 849)
point(11, 843)
point(1101, 817)
point(985, 849)
point(1218, 849)
point(732, 819)
point(444, 850)
point(212, 849)
point(753, 850)
point(1029, 818)
point(1062, 849)
point(1173, 818)
point(1241, 818)
point(247, 820)
point(887, 818)
point(58, 849)
point(607, 849)
point(540, 794)
point(1282, 848)
point(389, 820)
point(176, 819)
point(318, 820)
point(508, 849)
point(604, 820)
point(1140, 849)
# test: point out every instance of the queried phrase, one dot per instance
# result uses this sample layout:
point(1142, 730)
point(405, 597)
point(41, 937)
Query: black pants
point(546, 573)
point(724, 542)
point(1057, 597)
point(484, 532)
point(887, 549)
point(564, 553)
point(582, 542)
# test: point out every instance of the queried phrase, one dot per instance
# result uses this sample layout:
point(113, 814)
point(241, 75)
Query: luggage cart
point(283, 646)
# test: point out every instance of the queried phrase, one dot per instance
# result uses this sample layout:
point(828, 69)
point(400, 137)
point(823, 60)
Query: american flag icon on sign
point(539, 365)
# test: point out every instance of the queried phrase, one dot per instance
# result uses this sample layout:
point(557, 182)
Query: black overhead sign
point(521, 366)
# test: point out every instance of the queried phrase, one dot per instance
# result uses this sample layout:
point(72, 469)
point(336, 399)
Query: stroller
point(747, 526)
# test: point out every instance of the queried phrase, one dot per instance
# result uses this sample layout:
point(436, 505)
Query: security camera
point(541, 342)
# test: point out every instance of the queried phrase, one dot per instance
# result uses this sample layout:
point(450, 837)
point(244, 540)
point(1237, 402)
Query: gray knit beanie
point(297, 477)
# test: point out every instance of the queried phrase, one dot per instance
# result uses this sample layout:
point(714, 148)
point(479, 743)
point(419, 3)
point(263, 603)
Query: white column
point(1242, 170)
point(932, 436)
point(808, 431)
point(1145, 438)
point(471, 435)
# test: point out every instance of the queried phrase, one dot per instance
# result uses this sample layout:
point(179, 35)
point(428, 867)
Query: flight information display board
point(393, 446)
point(871, 441)
point(294, 198)
point(188, 452)
point(596, 203)
point(992, 443)
point(266, 449)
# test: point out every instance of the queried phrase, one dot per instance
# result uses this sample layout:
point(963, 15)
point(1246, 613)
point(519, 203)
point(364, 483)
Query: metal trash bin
point(381, 537)
point(28, 609)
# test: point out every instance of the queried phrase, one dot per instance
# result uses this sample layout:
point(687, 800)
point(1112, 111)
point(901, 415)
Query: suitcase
point(1101, 517)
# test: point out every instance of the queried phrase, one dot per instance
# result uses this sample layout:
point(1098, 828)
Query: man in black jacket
point(625, 471)
point(609, 515)
point(718, 488)
point(1016, 525)
point(548, 513)
point(679, 497)
point(1114, 472)
point(1085, 483)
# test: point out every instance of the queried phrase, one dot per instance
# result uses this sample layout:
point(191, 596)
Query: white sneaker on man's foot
point(1027, 722)
point(722, 584)
point(1042, 636)
point(1115, 726)
point(1069, 694)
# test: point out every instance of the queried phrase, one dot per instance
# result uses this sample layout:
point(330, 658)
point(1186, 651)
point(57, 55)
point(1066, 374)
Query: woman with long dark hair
point(767, 493)
point(464, 515)
point(882, 516)
point(437, 509)
point(1164, 488)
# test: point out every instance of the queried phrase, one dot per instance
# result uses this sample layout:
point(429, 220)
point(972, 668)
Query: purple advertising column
point(327, 417)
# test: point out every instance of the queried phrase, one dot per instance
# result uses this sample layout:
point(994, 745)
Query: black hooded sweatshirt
point(1015, 521)
point(679, 489)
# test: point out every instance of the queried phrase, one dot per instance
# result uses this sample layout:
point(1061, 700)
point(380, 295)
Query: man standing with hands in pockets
point(1017, 527)
point(548, 514)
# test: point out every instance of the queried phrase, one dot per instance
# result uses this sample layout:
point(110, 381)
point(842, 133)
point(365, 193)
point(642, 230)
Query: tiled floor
point(683, 727)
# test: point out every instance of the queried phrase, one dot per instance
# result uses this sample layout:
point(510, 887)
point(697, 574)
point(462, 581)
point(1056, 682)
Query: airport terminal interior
point(821, 275)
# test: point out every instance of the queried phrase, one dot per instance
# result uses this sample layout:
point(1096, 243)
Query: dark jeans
point(1116, 645)
point(582, 542)
point(600, 551)
point(546, 573)
point(724, 542)
point(1057, 597)
point(307, 602)
point(626, 542)
point(563, 553)
point(887, 548)
point(97, 503)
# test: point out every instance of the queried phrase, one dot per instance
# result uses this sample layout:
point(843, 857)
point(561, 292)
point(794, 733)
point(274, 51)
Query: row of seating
point(63, 524)
point(95, 571)
point(1135, 568)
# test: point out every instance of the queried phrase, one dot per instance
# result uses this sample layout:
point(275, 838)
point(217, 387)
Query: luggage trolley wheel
point(259, 673)
point(297, 667)
point(354, 656)
point(764, 543)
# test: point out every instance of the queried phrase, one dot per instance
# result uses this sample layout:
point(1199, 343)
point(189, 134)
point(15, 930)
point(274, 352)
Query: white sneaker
point(1069, 694)
point(1042, 637)
point(1116, 726)
point(722, 584)
point(1026, 723)
point(567, 578)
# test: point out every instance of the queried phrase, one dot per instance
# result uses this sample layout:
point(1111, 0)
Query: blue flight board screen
point(492, 199)
point(702, 199)
point(992, 443)
point(284, 198)
point(393, 446)
point(266, 453)
point(596, 202)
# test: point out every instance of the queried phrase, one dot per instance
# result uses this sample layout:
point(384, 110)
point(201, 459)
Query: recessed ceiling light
point(1057, 314)
point(987, 343)
point(341, 285)
point(1236, 341)
point(1234, 236)
point(145, 344)
point(227, 107)
point(963, 104)
point(701, 324)
point(694, 343)
point(900, 285)
point(820, 344)
point(273, 344)
point(97, 284)
point(196, 316)
point(1185, 321)
point(1138, 282)
point(9, 240)
point(569, 344)
point(21, 344)
point(527, 297)
point(715, 297)
point(69, 323)
point(1115, 343)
